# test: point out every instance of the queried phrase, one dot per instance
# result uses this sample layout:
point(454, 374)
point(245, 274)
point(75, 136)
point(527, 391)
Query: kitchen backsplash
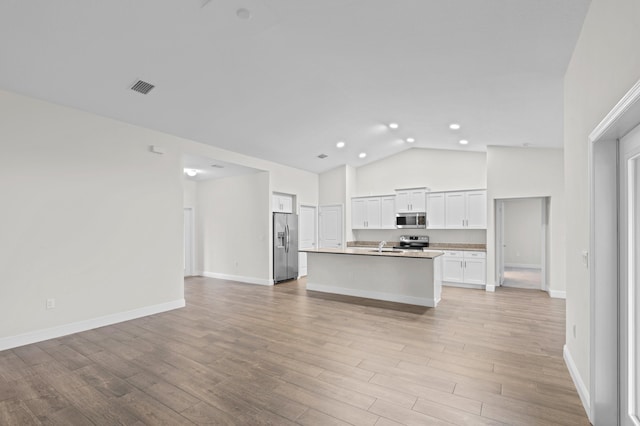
point(470, 236)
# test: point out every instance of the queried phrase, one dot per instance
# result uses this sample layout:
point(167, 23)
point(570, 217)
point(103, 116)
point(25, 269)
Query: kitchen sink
point(387, 250)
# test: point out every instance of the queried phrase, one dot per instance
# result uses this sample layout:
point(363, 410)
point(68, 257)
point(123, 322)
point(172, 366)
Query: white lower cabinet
point(464, 267)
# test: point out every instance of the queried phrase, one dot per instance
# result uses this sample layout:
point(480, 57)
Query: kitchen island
point(409, 276)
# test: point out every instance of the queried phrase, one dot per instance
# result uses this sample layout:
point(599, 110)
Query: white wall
point(231, 217)
point(529, 172)
point(89, 217)
point(189, 196)
point(604, 66)
point(336, 186)
point(440, 170)
point(522, 232)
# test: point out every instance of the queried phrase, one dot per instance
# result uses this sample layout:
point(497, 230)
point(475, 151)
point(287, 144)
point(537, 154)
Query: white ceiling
point(299, 76)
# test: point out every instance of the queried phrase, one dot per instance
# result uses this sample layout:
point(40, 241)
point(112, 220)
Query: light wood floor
point(529, 278)
point(253, 355)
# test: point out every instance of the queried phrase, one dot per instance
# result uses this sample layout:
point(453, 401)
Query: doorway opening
point(521, 242)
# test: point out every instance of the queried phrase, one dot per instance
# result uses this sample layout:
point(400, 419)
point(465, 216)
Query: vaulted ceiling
point(285, 80)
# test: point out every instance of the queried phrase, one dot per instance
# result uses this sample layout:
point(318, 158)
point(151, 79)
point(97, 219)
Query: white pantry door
point(330, 226)
point(307, 239)
point(630, 278)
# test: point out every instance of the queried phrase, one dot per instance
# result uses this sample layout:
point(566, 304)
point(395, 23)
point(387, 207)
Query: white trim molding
point(583, 393)
point(619, 112)
point(557, 294)
point(491, 287)
point(79, 326)
point(238, 278)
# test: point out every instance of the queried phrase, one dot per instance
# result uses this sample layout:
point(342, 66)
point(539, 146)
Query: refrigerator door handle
point(286, 247)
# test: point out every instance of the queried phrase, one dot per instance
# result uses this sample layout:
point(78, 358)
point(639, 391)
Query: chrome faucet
point(380, 245)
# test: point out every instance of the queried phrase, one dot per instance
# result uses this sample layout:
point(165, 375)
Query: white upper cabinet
point(282, 203)
point(373, 212)
point(466, 210)
point(388, 212)
point(411, 200)
point(455, 210)
point(477, 209)
point(435, 210)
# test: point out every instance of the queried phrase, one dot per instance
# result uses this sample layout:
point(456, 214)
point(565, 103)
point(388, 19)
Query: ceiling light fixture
point(362, 154)
point(410, 140)
point(340, 144)
point(454, 126)
point(190, 172)
point(463, 142)
point(393, 125)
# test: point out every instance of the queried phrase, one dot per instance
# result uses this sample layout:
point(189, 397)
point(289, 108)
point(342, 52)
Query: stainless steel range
point(413, 242)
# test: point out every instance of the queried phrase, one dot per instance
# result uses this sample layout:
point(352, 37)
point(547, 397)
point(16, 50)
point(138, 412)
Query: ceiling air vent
point(322, 156)
point(217, 166)
point(142, 87)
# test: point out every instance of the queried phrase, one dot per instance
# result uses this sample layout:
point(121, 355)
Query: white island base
point(394, 278)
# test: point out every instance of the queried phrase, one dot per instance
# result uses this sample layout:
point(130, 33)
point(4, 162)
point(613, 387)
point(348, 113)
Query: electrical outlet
point(51, 303)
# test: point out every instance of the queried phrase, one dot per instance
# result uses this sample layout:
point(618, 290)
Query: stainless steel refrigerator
point(285, 247)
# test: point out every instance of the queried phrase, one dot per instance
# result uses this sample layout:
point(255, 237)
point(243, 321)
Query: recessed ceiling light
point(454, 126)
point(463, 142)
point(410, 140)
point(243, 13)
point(340, 144)
point(190, 172)
point(362, 154)
point(393, 125)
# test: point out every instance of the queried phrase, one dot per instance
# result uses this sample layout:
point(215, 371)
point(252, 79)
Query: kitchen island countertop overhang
point(409, 276)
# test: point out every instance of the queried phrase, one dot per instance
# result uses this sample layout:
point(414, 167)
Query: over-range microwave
point(411, 220)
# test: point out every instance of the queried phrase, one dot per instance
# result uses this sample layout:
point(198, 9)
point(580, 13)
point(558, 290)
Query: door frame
point(500, 234)
point(500, 240)
point(189, 242)
point(602, 400)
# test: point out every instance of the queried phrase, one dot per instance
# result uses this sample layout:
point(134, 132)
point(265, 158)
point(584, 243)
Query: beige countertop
point(430, 254)
point(432, 246)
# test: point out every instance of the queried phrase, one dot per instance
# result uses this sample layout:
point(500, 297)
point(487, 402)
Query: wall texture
point(529, 172)
point(440, 170)
point(522, 236)
point(604, 66)
point(232, 215)
point(90, 217)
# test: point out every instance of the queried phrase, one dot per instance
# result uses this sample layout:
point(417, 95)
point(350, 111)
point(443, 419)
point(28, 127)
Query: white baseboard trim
point(522, 265)
point(557, 294)
point(491, 288)
point(583, 393)
point(463, 285)
point(239, 278)
point(420, 301)
point(90, 324)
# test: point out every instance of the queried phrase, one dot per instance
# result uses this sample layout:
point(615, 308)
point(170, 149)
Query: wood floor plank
point(241, 354)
